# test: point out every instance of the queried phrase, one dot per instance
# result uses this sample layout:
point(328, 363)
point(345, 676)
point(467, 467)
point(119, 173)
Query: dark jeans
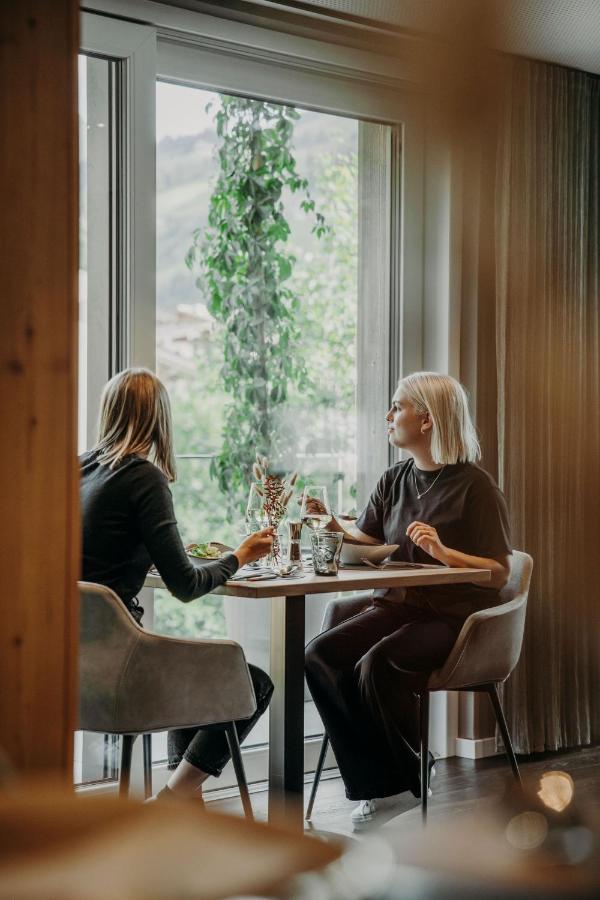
point(206, 747)
point(363, 674)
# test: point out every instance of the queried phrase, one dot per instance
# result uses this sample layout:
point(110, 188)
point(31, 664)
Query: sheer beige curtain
point(547, 256)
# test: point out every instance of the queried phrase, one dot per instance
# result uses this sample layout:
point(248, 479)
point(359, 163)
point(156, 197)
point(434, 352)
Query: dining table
point(288, 598)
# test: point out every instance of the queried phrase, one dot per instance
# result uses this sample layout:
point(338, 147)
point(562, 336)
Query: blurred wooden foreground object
point(55, 844)
point(39, 485)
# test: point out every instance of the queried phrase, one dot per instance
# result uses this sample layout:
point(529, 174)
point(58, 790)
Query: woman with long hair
point(129, 524)
point(440, 508)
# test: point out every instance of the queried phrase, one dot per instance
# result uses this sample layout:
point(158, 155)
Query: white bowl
point(353, 554)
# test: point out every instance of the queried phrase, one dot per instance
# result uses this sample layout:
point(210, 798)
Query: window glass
point(83, 174)
point(316, 426)
point(96, 755)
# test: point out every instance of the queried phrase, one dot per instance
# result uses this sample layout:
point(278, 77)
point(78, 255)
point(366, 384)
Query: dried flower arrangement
point(277, 493)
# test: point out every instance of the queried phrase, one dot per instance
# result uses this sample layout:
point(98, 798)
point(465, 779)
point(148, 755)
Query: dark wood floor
point(460, 786)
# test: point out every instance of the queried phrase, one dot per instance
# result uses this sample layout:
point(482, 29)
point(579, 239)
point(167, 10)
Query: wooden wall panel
point(39, 527)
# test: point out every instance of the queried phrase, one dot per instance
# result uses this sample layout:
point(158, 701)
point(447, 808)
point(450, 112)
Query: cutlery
point(283, 572)
point(372, 565)
point(265, 576)
point(398, 565)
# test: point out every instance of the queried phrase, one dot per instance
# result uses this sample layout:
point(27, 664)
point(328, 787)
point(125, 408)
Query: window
point(357, 140)
point(116, 74)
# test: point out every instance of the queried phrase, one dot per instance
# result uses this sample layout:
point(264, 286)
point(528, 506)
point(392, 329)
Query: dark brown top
point(467, 509)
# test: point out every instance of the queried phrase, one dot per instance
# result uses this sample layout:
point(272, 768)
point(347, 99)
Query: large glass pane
point(97, 212)
point(83, 225)
point(317, 424)
point(95, 754)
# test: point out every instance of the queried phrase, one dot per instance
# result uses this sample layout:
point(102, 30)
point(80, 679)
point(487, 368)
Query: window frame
point(133, 237)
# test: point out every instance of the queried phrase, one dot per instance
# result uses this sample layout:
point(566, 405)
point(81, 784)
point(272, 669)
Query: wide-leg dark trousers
point(207, 747)
point(363, 674)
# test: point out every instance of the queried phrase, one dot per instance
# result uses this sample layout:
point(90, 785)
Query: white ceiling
point(560, 31)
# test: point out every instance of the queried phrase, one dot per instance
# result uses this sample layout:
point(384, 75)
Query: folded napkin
point(251, 572)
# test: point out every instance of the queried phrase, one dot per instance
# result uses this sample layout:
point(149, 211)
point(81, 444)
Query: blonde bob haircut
point(135, 418)
point(453, 435)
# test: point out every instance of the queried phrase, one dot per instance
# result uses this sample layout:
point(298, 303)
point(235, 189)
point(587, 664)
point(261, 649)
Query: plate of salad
point(207, 550)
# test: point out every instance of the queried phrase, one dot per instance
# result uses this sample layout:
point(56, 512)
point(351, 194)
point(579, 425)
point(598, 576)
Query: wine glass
point(255, 514)
point(316, 511)
point(255, 517)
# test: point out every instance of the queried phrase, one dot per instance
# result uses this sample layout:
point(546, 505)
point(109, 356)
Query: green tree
point(328, 322)
point(244, 266)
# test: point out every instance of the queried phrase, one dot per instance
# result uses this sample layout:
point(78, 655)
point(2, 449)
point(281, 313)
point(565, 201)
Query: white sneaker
point(431, 776)
point(368, 810)
point(364, 813)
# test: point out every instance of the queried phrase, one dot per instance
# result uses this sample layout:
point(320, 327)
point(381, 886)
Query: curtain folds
point(547, 288)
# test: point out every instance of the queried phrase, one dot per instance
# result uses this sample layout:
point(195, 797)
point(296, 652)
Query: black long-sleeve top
point(129, 524)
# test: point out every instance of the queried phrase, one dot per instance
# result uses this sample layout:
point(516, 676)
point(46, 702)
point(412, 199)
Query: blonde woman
point(129, 524)
point(439, 507)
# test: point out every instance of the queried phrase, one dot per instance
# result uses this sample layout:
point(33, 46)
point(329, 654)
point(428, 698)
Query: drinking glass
point(326, 548)
point(255, 513)
point(316, 511)
point(255, 518)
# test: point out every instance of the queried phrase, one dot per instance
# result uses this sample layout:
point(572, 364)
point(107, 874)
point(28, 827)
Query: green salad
point(205, 551)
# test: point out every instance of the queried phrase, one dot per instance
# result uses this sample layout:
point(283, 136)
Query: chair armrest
point(338, 611)
point(486, 650)
point(172, 683)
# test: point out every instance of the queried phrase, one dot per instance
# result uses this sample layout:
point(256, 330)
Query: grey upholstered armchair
point(135, 682)
point(486, 651)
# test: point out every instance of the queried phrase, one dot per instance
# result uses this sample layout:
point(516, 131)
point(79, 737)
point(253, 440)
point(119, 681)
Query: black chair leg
point(125, 773)
point(147, 738)
point(317, 778)
point(424, 722)
point(508, 747)
point(238, 765)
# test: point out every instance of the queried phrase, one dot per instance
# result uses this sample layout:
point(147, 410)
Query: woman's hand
point(427, 539)
point(255, 546)
point(313, 505)
point(352, 534)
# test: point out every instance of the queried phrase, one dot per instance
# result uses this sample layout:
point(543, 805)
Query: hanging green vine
point(244, 266)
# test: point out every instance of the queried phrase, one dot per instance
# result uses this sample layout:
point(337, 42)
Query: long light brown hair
point(135, 418)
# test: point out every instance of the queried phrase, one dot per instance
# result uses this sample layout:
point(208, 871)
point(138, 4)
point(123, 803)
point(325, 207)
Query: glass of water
point(326, 548)
point(255, 518)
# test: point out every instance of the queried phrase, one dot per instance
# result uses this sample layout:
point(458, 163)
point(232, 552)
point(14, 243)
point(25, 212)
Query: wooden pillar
point(39, 518)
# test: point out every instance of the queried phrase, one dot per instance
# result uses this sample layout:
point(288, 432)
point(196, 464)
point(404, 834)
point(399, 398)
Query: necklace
point(422, 493)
